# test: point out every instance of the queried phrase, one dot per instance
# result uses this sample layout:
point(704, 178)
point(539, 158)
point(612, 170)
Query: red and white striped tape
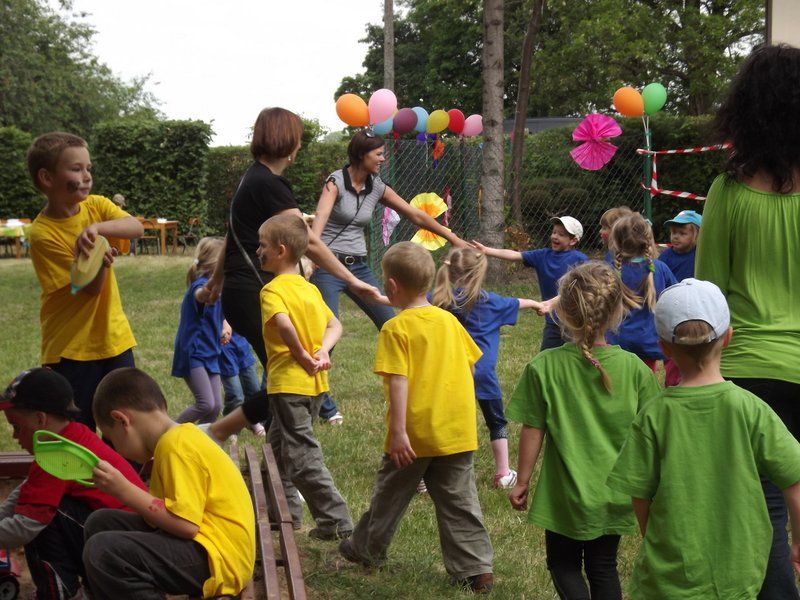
point(724, 146)
point(655, 190)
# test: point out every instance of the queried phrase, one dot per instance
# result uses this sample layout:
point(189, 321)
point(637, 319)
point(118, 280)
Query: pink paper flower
point(594, 132)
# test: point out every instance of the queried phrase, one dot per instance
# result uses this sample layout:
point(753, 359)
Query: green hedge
point(159, 166)
point(18, 197)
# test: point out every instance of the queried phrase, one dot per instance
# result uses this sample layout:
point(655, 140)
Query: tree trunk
point(388, 44)
point(523, 96)
point(492, 219)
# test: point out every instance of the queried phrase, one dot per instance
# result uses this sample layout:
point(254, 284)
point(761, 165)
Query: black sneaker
point(329, 536)
point(477, 584)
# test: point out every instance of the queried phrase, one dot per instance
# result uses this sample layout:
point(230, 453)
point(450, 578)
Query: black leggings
point(566, 559)
point(242, 310)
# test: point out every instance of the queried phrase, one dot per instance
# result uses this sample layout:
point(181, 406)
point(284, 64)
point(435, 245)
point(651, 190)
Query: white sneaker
point(336, 419)
point(206, 428)
point(506, 482)
point(258, 430)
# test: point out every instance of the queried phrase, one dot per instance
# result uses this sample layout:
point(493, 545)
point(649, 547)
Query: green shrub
point(18, 197)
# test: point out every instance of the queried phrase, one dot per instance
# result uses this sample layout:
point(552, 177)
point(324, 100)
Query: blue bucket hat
point(686, 217)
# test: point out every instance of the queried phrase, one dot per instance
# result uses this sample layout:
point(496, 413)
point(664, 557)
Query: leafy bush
point(18, 197)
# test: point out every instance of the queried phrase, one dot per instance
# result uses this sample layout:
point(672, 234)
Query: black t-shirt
point(260, 195)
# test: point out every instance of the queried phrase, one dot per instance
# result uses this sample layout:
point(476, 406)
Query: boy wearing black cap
point(45, 514)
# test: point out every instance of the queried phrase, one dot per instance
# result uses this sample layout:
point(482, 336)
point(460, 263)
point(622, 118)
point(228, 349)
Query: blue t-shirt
point(236, 356)
point(681, 265)
point(483, 324)
point(550, 266)
point(197, 341)
point(637, 333)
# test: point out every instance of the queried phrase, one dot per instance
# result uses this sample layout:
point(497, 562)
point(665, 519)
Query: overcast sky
point(223, 61)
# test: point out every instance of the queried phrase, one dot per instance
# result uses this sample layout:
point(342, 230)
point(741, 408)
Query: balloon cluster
point(382, 114)
point(630, 103)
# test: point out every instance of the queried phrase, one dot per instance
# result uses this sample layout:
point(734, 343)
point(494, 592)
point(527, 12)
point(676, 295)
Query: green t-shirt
point(749, 246)
point(561, 392)
point(697, 453)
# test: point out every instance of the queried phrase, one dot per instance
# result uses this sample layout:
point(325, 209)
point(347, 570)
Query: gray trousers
point(301, 464)
point(466, 549)
point(126, 558)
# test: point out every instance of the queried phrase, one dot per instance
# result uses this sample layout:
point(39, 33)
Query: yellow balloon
point(438, 121)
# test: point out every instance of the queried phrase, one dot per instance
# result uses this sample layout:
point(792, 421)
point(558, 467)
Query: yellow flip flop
point(84, 269)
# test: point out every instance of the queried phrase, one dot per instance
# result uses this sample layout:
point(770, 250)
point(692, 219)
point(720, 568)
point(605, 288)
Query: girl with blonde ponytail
point(584, 397)
point(458, 289)
point(633, 254)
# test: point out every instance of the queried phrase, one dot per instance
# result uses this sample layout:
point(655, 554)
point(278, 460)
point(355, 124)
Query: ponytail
point(464, 268)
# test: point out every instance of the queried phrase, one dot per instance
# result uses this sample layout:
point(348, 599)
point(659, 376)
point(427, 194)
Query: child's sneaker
point(336, 419)
point(258, 430)
point(206, 428)
point(421, 487)
point(505, 482)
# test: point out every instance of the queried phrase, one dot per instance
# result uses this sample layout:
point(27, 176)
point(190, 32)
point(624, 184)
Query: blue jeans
point(330, 287)
point(236, 388)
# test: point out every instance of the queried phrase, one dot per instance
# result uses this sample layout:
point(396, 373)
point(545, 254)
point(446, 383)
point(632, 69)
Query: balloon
point(422, 119)
point(404, 120)
point(473, 126)
point(438, 121)
point(382, 105)
point(628, 102)
point(654, 96)
point(456, 124)
point(383, 127)
point(352, 110)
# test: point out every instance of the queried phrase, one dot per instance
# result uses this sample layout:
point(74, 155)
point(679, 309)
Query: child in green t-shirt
point(692, 462)
point(583, 396)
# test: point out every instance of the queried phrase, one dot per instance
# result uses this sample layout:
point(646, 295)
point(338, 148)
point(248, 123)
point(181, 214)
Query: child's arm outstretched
point(530, 444)
point(792, 497)
point(126, 228)
point(641, 509)
point(333, 331)
point(109, 480)
point(289, 336)
point(528, 303)
point(400, 450)
point(496, 252)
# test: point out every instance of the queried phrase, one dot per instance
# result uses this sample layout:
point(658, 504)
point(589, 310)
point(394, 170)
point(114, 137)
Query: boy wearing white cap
point(692, 462)
point(550, 264)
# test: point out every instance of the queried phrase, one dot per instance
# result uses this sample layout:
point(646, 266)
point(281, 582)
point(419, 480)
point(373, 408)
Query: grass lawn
point(152, 289)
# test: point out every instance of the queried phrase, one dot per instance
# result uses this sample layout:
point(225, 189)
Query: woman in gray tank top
point(345, 208)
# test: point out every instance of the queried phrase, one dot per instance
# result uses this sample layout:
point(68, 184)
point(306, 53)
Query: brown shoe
point(477, 584)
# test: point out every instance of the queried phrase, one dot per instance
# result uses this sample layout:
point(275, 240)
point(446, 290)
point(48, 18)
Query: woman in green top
point(750, 247)
point(584, 397)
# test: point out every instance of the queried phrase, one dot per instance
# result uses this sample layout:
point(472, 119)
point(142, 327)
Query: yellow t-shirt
point(79, 327)
point(199, 482)
point(429, 347)
point(293, 296)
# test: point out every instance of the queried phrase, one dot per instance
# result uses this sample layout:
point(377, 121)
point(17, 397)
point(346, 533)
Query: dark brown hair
point(126, 388)
point(46, 150)
point(362, 144)
point(410, 265)
point(289, 230)
point(276, 134)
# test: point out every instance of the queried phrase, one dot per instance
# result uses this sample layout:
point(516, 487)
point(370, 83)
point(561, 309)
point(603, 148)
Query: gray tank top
point(351, 213)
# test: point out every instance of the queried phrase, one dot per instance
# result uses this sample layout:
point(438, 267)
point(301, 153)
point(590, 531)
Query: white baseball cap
point(572, 225)
point(691, 300)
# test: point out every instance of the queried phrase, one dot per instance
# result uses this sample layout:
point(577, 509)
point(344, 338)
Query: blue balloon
point(383, 127)
point(422, 119)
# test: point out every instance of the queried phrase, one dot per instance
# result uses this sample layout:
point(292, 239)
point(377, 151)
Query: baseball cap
point(686, 217)
point(691, 300)
point(571, 224)
point(40, 389)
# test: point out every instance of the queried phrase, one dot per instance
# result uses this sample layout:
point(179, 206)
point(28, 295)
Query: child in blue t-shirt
point(482, 313)
point(550, 264)
point(683, 232)
point(237, 367)
point(198, 340)
point(632, 254)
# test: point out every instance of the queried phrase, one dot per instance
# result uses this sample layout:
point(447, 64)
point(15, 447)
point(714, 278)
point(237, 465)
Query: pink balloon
point(473, 126)
point(456, 124)
point(382, 105)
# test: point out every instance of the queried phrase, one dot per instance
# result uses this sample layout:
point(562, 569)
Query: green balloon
point(654, 96)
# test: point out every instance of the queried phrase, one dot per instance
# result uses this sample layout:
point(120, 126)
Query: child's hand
point(545, 307)
point(309, 363)
point(478, 246)
point(109, 480)
point(400, 450)
point(323, 359)
point(85, 241)
point(108, 257)
point(518, 497)
point(227, 332)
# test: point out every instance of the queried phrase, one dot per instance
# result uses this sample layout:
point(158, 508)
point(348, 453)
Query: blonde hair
point(612, 215)
point(691, 341)
point(464, 268)
point(632, 237)
point(205, 258)
point(288, 230)
point(591, 300)
point(410, 265)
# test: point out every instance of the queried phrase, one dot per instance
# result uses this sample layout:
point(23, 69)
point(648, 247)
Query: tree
point(388, 44)
point(49, 78)
point(492, 219)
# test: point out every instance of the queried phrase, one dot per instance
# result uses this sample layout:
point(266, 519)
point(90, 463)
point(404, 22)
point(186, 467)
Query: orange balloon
point(352, 110)
point(628, 102)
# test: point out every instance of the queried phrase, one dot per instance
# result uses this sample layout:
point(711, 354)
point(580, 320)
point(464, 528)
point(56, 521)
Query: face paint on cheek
point(72, 186)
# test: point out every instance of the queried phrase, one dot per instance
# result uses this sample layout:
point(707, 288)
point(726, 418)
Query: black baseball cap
point(40, 389)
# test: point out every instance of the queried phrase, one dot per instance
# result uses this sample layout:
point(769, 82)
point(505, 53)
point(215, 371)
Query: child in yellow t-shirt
point(426, 360)
point(299, 332)
point(194, 532)
point(85, 335)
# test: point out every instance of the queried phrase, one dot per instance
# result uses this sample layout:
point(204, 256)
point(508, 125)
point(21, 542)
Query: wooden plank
point(269, 568)
point(233, 452)
point(277, 496)
point(291, 562)
point(249, 592)
point(15, 465)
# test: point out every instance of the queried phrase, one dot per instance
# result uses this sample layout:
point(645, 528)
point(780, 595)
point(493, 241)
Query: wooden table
point(13, 231)
point(162, 225)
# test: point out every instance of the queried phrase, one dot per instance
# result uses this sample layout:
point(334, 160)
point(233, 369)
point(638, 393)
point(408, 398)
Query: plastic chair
point(192, 235)
point(150, 236)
